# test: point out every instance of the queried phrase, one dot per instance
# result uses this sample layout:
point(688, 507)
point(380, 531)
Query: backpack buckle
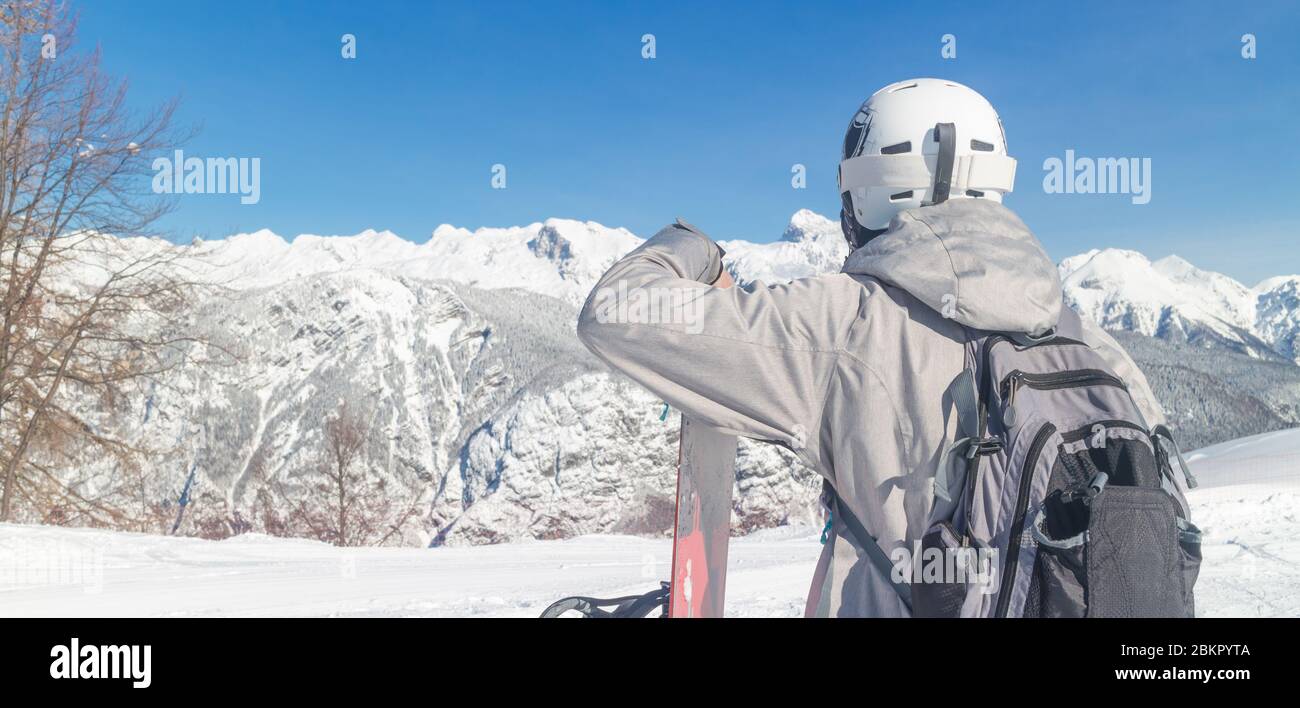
point(970, 449)
point(979, 447)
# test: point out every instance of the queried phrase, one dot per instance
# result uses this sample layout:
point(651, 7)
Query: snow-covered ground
point(124, 574)
point(1248, 505)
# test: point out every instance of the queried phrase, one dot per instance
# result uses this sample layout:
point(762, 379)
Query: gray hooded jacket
point(848, 370)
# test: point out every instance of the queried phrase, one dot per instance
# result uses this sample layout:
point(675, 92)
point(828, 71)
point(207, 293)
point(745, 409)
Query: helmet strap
point(946, 135)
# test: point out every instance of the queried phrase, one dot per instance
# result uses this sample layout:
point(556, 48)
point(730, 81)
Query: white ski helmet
point(917, 143)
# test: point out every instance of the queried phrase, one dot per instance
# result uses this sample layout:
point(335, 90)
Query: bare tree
point(86, 316)
point(342, 500)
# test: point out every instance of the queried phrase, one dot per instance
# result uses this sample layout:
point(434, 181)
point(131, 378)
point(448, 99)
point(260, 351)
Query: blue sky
point(404, 136)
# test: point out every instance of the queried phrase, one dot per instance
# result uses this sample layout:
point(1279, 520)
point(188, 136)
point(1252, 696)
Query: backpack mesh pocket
point(1121, 552)
point(1061, 566)
point(1135, 563)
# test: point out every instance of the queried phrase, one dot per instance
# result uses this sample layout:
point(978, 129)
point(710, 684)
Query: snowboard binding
point(631, 606)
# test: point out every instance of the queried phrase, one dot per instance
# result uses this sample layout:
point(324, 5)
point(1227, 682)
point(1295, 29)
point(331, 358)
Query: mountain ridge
point(485, 408)
point(1168, 298)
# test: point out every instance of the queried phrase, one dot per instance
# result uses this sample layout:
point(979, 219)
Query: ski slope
point(1248, 505)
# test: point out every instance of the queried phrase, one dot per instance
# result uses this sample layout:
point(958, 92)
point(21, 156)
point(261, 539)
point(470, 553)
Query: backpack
point(1056, 501)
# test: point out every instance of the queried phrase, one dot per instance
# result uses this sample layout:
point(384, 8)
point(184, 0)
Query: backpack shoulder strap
point(970, 411)
point(966, 401)
point(874, 552)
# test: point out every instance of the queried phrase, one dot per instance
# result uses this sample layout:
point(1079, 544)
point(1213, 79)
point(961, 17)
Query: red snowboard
point(706, 474)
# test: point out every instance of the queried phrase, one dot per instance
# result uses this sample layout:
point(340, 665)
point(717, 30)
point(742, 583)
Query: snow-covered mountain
point(482, 405)
point(481, 408)
point(1121, 289)
point(1172, 299)
point(810, 245)
point(1278, 314)
point(561, 258)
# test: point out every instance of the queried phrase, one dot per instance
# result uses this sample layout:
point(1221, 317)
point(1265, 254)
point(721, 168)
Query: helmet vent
point(974, 193)
point(981, 146)
point(896, 148)
point(903, 88)
point(900, 196)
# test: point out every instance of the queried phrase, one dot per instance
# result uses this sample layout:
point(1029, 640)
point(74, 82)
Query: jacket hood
point(972, 260)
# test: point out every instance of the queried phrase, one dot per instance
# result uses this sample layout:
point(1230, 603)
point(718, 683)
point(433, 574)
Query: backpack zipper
point(1018, 521)
point(986, 356)
point(1064, 379)
point(985, 395)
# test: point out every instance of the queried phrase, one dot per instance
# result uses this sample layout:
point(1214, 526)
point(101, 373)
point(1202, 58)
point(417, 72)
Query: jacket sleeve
point(1126, 369)
point(754, 361)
